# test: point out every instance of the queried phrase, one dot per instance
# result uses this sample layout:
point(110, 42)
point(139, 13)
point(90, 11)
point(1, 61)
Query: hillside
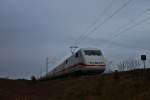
point(132, 85)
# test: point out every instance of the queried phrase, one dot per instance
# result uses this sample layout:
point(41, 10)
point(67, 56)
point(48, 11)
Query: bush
point(33, 79)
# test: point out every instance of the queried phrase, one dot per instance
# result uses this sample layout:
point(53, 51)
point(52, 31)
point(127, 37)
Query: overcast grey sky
point(31, 30)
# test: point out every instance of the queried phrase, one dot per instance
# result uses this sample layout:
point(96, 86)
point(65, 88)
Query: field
point(131, 85)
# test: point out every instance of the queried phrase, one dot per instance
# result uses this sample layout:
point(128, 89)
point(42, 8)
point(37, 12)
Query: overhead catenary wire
point(100, 16)
point(130, 27)
point(104, 21)
point(127, 29)
point(132, 21)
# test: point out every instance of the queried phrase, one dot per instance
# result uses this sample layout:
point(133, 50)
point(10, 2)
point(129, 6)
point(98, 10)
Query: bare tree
point(121, 66)
point(130, 64)
point(109, 67)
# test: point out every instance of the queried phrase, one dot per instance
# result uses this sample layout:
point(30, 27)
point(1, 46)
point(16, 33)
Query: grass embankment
point(117, 86)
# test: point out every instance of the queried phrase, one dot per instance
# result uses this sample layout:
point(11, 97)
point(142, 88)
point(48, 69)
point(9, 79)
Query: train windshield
point(93, 52)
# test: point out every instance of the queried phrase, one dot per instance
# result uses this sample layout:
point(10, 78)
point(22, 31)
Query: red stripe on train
point(81, 64)
point(91, 65)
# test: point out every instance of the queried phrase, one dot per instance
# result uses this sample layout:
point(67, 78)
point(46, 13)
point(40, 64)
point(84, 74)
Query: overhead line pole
point(41, 71)
point(47, 62)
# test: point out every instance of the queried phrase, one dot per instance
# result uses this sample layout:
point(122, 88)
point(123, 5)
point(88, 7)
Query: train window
point(92, 52)
point(66, 61)
point(77, 55)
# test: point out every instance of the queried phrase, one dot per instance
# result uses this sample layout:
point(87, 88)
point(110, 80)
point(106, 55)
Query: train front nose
point(93, 68)
point(94, 61)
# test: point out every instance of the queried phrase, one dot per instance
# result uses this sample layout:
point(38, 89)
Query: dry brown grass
point(133, 85)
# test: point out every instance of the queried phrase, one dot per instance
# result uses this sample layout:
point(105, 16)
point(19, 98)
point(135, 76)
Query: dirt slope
point(133, 85)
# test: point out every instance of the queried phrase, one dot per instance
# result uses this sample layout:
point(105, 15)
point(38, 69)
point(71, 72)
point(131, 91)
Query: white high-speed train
point(84, 61)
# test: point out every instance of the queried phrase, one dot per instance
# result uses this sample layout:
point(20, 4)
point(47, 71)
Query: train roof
point(88, 49)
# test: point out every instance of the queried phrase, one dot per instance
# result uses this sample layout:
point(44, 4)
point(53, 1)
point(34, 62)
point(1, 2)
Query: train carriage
point(84, 61)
